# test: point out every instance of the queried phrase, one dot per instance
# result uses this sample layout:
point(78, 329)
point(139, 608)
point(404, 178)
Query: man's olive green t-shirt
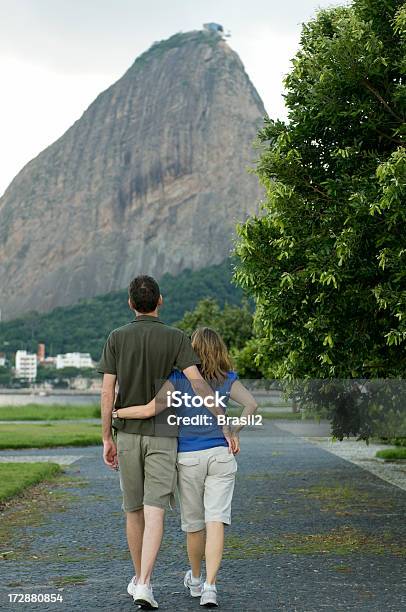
point(142, 355)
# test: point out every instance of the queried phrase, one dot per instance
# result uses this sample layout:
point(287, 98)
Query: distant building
point(74, 360)
point(214, 27)
point(41, 352)
point(42, 359)
point(26, 365)
point(49, 362)
point(2, 360)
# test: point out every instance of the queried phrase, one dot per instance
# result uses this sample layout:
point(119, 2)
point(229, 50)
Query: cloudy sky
point(57, 55)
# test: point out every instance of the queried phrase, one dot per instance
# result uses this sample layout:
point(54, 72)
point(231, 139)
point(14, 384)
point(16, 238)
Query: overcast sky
point(57, 55)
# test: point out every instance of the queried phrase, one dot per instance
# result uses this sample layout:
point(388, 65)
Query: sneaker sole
point(209, 605)
point(145, 605)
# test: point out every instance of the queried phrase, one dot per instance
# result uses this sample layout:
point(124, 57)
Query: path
point(293, 500)
point(361, 454)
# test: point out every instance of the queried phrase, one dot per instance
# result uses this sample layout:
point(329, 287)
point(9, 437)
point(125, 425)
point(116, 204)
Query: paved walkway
point(33, 458)
point(311, 532)
point(357, 452)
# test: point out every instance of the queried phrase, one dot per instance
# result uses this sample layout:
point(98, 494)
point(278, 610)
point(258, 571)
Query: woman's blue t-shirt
point(200, 436)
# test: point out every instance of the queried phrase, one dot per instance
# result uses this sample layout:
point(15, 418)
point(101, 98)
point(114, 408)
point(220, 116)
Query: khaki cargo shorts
point(206, 481)
point(147, 470)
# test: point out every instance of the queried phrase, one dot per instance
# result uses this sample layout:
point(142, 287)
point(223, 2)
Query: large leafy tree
point(233, 323)
point(326, 259)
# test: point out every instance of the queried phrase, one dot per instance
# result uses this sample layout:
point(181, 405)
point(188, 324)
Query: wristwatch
point(114, 413)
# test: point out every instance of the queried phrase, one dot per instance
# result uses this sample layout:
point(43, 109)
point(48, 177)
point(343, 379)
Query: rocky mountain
point(152, 178)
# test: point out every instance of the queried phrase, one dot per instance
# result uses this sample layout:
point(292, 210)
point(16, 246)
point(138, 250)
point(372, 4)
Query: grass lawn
point(42, 412)
point(392, 454)
point(41, 435)
point(15, 477)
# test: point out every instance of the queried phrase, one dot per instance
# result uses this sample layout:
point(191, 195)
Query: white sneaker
point(209, 596)
point(144, 597)
point(193, 584)
point(132, 585)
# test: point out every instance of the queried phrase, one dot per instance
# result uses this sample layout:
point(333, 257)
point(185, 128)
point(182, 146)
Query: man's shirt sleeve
point(107, 363)
point(186, 356)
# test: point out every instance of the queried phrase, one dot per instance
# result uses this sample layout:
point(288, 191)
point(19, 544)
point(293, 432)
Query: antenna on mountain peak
point(217, 28)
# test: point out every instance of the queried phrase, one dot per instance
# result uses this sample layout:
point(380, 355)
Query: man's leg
point(153, 532)
point(159, 484)
point(131, 462)
point(135, 533)
point(195, 549)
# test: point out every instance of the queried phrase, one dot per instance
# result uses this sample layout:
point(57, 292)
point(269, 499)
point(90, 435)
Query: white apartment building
point(2, 360)
point(26, 365)
point(74, 360)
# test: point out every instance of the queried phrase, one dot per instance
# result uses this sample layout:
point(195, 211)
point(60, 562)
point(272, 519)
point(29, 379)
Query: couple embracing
point(158, 447)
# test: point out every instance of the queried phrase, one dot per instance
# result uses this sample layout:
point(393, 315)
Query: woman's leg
point(195, 550)
point(218, 494)
point(214, 549)
point(191, 477)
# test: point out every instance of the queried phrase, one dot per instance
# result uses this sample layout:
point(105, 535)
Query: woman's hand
point(233, 440)
point(228, 437)
point(235, 443)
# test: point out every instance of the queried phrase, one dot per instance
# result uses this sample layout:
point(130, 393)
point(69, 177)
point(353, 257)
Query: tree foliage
point(5, 376)
point(326, 261)
point(233, 323)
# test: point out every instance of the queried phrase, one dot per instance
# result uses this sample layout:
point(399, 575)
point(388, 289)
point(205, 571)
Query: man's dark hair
point(144, 293)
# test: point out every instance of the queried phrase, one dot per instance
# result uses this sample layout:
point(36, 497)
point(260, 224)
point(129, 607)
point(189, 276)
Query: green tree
point(325, 261)
point(5, 376)
point(46, 374)
point(233, 323)
point(244, 360)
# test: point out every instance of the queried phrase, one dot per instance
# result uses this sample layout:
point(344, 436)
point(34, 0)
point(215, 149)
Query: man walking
point(140, 356)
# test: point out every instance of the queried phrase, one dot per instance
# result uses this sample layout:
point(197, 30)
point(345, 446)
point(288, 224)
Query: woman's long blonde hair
point(215, 361)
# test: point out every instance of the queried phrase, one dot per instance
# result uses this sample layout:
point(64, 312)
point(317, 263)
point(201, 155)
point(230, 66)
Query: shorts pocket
point(224, 464)
point(125, 442)
point(188, 461)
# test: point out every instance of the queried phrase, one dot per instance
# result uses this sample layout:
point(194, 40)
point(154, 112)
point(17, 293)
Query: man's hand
point(110, 454)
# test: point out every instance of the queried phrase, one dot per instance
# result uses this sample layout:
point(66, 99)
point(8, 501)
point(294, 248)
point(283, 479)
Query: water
point(11, 398)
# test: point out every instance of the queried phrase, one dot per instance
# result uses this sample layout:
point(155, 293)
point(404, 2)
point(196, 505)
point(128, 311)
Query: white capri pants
point(206, 481)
